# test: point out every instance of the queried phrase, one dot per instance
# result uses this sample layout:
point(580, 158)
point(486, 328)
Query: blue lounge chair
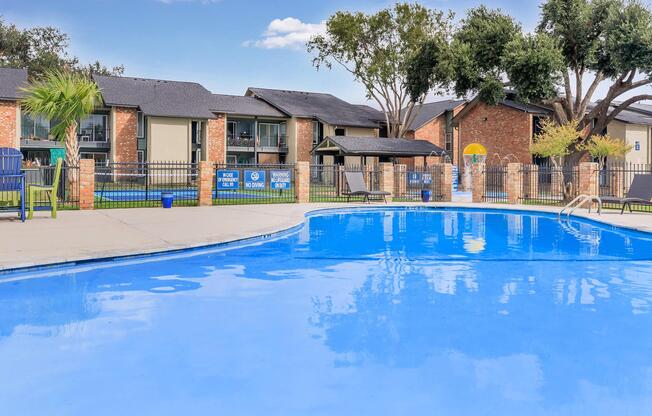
point(12, 181)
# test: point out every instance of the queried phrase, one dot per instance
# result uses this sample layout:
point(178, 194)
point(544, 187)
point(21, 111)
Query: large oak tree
point(606, 42)
point(376, 48)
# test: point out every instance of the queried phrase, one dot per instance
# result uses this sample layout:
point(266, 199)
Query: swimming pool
point(390, 311)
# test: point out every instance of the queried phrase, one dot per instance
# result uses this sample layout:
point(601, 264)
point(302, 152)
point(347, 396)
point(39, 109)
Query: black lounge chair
point(357, 187)
point(640, 193)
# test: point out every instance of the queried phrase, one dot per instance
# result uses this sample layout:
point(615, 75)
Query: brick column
point(445, 181)
point(514, 182)
point(205, 185)
point(9, 113)
point(557, 181)
point(400, 170)
point(216, 139)
point(302, 182)
point(86, 184)
point(387, 179)
point(531, 190)
point(589, 178)
point(478, 182)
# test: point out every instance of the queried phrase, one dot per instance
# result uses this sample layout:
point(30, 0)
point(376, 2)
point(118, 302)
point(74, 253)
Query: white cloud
point(287, 33)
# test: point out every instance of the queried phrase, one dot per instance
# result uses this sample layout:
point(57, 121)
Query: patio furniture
point(640, 193)
point(12, 181)
point(49, 190)
point(358, 187)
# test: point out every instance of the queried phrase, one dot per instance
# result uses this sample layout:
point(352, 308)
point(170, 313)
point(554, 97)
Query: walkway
point(78, 235)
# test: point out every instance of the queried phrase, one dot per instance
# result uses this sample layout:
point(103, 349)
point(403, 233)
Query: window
point(231, 159)
point(196, 132)
point(340, 131)
point(269, 134)
point(240, 133)
point(140, 123)
point(100, 159)
point(315, 133)
point(283, 140)
point(93, 128)
point(34, 127)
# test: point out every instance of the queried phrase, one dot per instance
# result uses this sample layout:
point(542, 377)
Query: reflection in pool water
point(381, 312)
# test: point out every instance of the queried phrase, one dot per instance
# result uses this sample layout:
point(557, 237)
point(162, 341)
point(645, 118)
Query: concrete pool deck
point(83, 235)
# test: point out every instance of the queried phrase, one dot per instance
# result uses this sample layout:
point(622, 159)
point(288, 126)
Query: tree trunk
point(72, 158)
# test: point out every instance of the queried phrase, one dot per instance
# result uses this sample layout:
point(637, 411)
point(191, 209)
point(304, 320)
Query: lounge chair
point(358, 187)
point(50, 191)
point(640, 193)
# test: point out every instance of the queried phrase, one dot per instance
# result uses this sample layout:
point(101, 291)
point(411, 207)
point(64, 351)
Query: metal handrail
point(579, 201)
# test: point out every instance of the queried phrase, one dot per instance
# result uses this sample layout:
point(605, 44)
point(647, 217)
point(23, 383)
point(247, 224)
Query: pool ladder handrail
point(579, 201)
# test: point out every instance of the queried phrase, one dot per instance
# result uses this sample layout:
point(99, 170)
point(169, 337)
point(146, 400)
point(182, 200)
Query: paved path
point(79, 235)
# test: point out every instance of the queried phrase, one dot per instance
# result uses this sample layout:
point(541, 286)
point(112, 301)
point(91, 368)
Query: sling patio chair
point(50, 192)
point(640, 193)
point(358, 187)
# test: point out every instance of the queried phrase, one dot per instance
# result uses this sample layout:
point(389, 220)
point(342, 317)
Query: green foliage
point(65, 97)
point(555, 141)
point(378, 50)
point(534, 64)
point(601, 147)
point(41, 50)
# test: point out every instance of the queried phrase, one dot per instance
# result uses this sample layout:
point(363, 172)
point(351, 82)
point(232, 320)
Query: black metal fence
point(616, 178)
point(128, 185)
point(254, 184)
point(548, 184)
point(495, 189)
point(409, 182)
point(67, 189)
point(328, 182)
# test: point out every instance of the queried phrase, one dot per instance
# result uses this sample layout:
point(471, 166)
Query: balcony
point(242, 143)
point(98, 139)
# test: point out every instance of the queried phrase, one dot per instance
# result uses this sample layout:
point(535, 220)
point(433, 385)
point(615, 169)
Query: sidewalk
point(79, 235)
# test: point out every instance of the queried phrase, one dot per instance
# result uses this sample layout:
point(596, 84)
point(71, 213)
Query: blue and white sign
point(637, 146)
point(414, 178)
point(254, 179)
point(280, 179)
point(427, 178)
point(228, 179)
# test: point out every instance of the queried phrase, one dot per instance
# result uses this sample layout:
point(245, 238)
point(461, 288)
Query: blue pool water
point(389, 312)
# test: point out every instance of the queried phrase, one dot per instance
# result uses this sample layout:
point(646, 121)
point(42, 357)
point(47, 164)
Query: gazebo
point(384, 148)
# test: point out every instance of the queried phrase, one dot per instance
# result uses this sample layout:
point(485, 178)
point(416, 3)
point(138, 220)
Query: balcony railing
point(240, 142)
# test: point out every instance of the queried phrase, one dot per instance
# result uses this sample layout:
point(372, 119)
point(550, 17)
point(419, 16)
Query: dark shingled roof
point(324, 107)
point(517, 105)
point(233, 104)
point(630, 115)
point(11, 80)
point(637, 107)
point(156, 97)
point(430, 111)
point(378, 146)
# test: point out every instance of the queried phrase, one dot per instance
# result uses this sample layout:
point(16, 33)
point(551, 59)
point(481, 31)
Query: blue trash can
point(167, 198)
point(425, 195)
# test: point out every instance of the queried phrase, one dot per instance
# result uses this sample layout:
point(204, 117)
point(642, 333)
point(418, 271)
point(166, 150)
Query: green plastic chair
point(32, 191)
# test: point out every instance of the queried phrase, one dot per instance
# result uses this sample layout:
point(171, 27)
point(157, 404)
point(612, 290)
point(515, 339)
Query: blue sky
point(226, 45)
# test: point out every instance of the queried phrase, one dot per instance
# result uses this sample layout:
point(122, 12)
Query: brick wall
point(126, 144)
point(501, 129)
point(304, 139)
point(8, 124)
point(216, 139)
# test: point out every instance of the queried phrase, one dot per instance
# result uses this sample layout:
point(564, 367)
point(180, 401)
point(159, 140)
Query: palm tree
point(65, 98)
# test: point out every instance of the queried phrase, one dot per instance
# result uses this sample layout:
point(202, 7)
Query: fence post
point(387, 179)
point(302, 182)
point(400, 170)
point(205, 185)
point(478, 182)
point(514, 182)
point(445, 181)
point(86, 184)
point(589, 178)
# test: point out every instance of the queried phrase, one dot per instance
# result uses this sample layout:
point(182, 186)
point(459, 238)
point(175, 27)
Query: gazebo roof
point(376, 146)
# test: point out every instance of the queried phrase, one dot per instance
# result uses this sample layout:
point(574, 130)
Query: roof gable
point(430, 111)
point(377, 146)
point(11, 81)
point(243, 105)
point(513, 104)
point(325, 107)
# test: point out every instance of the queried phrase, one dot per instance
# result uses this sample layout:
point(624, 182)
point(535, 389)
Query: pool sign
point(228, 179)
point(254, 179)
point(414, 178)
point(427, 178)
point(280, 179)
